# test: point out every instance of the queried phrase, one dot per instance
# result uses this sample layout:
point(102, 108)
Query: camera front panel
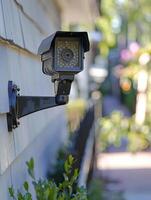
point(68, 54)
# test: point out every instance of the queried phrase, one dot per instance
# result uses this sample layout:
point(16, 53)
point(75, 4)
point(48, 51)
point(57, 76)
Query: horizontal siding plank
point(48, 17)
point(3, 144)
point(17, 28)
point(7, 146)
point(8, 19)
point(22, 6)
point(43, 149)
point(39, 124)
point(32, 37)
point(4, 77)
point(24, 26)
point(2, 26)
point(12, 22)
point(10, 44)
point(27, 73)
point(5, 182)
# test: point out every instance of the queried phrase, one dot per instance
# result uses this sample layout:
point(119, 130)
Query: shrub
point(48, 189)
point(116, 127)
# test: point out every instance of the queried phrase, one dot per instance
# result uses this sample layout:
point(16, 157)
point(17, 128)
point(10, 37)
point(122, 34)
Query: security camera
point(62, 55)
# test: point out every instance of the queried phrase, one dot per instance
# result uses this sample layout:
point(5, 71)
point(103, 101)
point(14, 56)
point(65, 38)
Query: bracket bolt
point(14, 126)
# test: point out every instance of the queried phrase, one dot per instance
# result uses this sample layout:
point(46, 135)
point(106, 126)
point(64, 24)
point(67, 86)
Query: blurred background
point(118, 76)
point(107, 124)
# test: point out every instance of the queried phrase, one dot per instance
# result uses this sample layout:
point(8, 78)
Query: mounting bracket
point(20, 106)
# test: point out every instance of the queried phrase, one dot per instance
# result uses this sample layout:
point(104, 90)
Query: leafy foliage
point(48, 189)
point(128, 20)
point(116, 127)
point(104, 24)
point(75, 112)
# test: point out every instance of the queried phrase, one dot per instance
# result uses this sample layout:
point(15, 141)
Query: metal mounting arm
point(20, 106)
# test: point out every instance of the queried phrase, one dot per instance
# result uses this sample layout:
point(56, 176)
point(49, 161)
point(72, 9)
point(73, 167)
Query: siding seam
point(3, 16)
point(21, 27)
point(28, 17)
point(12, 44)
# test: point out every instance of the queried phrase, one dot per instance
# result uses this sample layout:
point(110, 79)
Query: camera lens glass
point(67, 55)
point(67, 52)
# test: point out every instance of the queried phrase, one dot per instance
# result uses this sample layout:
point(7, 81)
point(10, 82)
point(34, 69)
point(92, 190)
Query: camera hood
point(46, 43)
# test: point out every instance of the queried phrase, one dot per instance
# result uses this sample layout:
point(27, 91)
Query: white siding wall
point(23, 24)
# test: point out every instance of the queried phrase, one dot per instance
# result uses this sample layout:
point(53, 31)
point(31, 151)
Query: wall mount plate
point(12, 120)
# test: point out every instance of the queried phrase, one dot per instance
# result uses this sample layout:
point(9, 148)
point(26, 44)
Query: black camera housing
point(62, 53)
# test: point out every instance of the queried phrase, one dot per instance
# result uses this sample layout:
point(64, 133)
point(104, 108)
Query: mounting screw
point(14, 88)
point(14, 126)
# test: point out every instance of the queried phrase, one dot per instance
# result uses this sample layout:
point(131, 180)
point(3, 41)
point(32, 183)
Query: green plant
point(48, 189)
point(116, 127)
point(75, 112)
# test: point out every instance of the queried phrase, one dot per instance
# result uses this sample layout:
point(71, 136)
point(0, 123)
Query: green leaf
point(26, 186)
point(27, 196)
point(66, 167)
point(11, 191)
point(20, 196)
point(70, 159)
point(30, 165)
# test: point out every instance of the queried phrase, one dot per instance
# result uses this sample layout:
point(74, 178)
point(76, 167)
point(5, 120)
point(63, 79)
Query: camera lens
point(67, 54)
